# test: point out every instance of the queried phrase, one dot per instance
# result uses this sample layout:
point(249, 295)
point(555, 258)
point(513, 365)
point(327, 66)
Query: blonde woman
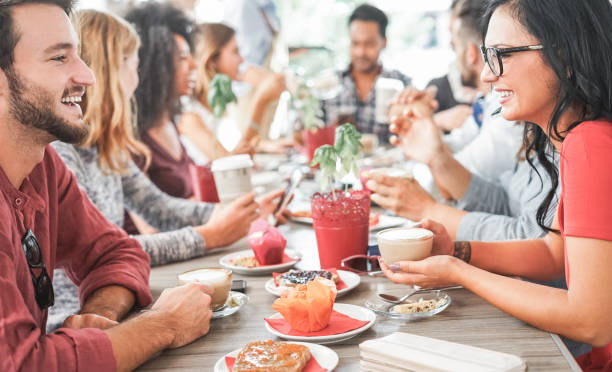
point(216, 51)
point(104, 168)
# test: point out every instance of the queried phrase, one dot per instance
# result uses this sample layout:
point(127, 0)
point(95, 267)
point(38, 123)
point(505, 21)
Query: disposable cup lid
point(232, 162)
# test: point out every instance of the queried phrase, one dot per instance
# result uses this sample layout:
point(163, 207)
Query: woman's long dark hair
point(578, 47)
point(157, 24)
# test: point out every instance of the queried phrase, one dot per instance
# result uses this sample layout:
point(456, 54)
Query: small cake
point(294, 277)
point(272, 356)
point(267, 242)
point(308, 307)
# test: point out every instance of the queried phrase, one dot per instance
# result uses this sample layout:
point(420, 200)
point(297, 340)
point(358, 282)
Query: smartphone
point(294, 180)
point(239, 285)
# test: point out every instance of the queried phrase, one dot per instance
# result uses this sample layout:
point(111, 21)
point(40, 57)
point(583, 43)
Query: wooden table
point(468, 320)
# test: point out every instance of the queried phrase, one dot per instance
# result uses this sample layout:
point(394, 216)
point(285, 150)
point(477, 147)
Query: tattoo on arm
point(463, 251)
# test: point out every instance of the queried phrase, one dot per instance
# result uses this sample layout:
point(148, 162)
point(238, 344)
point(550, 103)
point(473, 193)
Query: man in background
point(357, 98)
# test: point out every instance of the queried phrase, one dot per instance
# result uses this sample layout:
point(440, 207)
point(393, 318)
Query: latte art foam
point(406, 234)
point(208, 276)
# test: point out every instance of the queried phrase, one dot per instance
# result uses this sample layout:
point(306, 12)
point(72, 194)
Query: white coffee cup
point(392, 172)
point(404, 244)
point(219, 279)
point(385, 89)
point(232, 176)
point(369, 142)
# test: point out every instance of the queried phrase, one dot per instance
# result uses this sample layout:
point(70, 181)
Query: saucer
point(235, 302)
point(351, 280)
point(226, 262)
point(354, 311)
point(383, 308)
point(326, 357)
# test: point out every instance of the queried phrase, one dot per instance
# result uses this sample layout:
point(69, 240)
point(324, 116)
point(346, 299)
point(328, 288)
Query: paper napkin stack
point(404, 352)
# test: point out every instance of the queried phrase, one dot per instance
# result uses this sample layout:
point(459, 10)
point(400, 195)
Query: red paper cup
point(335, 244)
point(318, 138)
point(341, 226)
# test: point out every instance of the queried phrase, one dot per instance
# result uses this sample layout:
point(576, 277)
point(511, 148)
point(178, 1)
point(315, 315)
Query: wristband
point(463, 251)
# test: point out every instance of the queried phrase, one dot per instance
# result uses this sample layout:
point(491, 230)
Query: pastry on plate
point(272, 356)
point(294, 277)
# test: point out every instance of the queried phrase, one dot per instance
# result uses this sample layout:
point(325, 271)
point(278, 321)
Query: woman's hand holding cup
point(437, 270)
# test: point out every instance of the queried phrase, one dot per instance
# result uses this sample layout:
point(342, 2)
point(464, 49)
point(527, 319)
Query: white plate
point(226, 261)
point(269, 161)
point(354, 311)
point(387, 222)
point(326, 357)
point(351, 280)
point(384, 222)
point(239, 299)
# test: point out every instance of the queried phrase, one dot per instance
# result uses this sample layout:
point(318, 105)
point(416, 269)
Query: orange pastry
point(308, 307)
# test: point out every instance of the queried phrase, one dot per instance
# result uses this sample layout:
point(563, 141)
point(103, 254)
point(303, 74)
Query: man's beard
point(469, 79)
point(367, 66)
point(32, 106)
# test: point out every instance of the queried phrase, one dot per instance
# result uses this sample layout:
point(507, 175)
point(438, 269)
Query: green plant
point(347, 146)
point(344, 153)
point(308, 107)
point(220, 94)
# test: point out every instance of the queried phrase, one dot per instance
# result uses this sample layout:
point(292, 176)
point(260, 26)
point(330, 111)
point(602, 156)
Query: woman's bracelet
point(463, 251)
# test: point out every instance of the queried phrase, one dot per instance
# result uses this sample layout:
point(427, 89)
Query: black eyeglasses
point(361, 264)
point(43, 287)
point(493, 56)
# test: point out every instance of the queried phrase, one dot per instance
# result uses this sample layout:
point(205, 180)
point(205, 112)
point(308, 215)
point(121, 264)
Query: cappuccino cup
point(404, 244)
point(389, 172)
point(219, 279)
point(369, 142)
point(392, 172)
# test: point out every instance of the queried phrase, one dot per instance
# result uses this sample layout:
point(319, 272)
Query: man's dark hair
point(157, 24)
point(9, 37)
point(470, 12)
point(369, 13)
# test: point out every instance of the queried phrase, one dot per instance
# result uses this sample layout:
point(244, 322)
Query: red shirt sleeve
point(587, 181)
point(24, 348)
point(93, 251)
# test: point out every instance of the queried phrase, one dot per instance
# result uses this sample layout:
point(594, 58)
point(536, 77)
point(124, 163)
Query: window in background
point(316, 32)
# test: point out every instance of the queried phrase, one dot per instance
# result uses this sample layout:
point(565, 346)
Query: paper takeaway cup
point(232, 176)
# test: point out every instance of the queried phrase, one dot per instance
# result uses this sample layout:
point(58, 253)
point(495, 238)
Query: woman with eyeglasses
point(550, 62)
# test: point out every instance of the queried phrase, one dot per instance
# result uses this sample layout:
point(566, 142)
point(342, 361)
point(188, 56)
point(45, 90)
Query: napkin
point(311, 366)
point(338, 323)
point(267, 242)
point(403, 352)
point(340, 285)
